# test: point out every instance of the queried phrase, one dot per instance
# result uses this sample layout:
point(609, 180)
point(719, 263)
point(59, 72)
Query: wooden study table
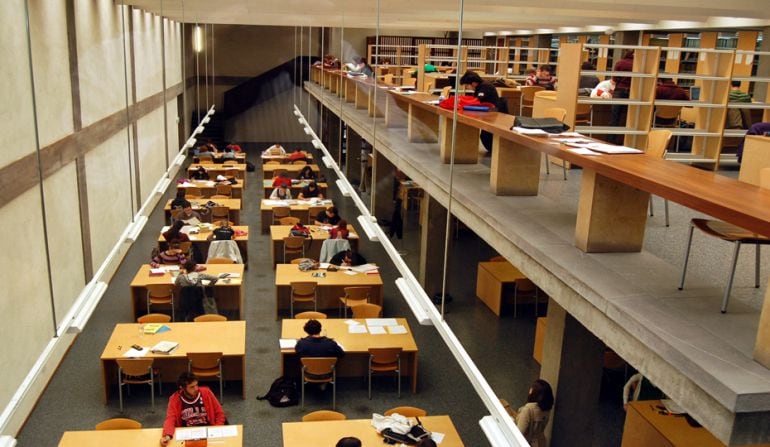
point(228, 337)
point(327, 433)
point(355, 363)
point(285, 158)
point(491, 280)
point(228, 295)
point(209, 187)
point(215, 169)
point(312, 245)
point(329, 290)
point(200, 239)
point(645, 427)
point(132, 438)
point(296, 188)
point(267, 170)
point(299, 209)
point(234, 205)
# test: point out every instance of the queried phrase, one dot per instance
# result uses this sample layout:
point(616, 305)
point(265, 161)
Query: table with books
point(284, 158)
point(236, 170)
point(298, 208)
point(224, 436)
point(208, 188)
point(228, 292)
point(330, 286)
point(296, 187)
point(303, 434)
point(355, 336)
point(291, 170)
point(199, 205)
point(227, 337)
point(318, 234)
point(199, 234)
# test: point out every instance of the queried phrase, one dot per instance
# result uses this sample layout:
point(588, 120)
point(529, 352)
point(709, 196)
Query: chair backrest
point(657, 142)
point(764, 178)
point(446, 91)
point(318, 366)
point(323, 415)
point(192, 191)
point(384, 355)
point(331, 247)
point(528, 92)
point(387, 78)
point(293, 242)
point(357, 293)
point(281, 211)
point(278, 171)
point(205, 159)
point(583, 109)
point(367, 310)
point(408, 82)
point(204, 360)
point(135, 367)
point(231, 162)
point(118, 424)
point(555, 112)
point(227, 249)
point(220, 211)
point(154, 318)
point(667, 112)
point(160, 290)
point(220, 260)
point(524, 285)
point(219, 197)
point(288, 220)
point(299, 162)
point(272, 162)
point(409, 412)
point(303, 288)
point(185, 247)
point(313, 211)
point(310, 315)
point(224, 190)
point(209, 317)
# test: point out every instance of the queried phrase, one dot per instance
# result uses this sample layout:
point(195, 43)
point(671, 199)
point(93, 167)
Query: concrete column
point(332, 134)
point(382, 186)
point(572, 364)
point(432, 240)
point(353, 157)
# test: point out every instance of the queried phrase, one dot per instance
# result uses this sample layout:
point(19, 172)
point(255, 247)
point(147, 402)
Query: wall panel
point(173, 53)
point(173, 135)
point(147, 54)
point(152, 157)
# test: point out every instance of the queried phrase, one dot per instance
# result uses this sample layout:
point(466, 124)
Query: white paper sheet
point(612, 149)
point(287, 343)
point(436, 436)
point(183, 434)
point(357, 329)
point(531, 132)
point(225, 431)
point(398, 329)
point(350, 272)
point(381, 322)
point(133, 353)
point(582, 151)
point(377, 330)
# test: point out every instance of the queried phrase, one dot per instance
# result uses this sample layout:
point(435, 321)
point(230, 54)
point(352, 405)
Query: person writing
point(317, 345)
point(532, 418)
point(281, 192)
point(306, 174)
point(175, 233)
point(171, 256)
point(188, 216)
point(191, 406)
point(310, 191)
point(329, 216)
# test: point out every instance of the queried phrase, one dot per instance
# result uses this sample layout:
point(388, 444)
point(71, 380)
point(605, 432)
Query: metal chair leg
point(732, 276)
point(756, 267)
point(665, 205)
point(515, 300)
point(334, 388)
point(686, 256)
point(563, 167)
point(547, 168)
point(652, 211)
point(302, 405)
point(152, 389)
point(370, 377)
point(398, 376)
point(120, 388)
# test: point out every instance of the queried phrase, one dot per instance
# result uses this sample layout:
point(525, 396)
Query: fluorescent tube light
point(297, 114)
point(197, 43)
point(414, 302)
point(343, 188)
point(136, 228)
point(366, 224)
point(317, 144)
point(93, 294)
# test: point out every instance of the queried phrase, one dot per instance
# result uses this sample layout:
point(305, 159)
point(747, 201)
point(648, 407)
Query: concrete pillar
point(353, 157)
point(432, 241)
point(332, 135)
point(572, 364)
point(382, 186)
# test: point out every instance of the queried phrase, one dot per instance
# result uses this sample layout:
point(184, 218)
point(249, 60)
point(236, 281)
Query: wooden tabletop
point(217, 167)
point(337, 328)
point(327, 433)
point(233, 204)
point(228, 337)
point(502, 271)
point(131, 438)
point(289, 168)
point(143, 277)
point(285, 274)
point(204, 233)
point(268, 183)
point(294, 204)
point(278, 232)
point(206, 184)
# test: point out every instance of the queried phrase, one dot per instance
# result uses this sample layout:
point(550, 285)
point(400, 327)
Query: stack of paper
point(287, 343)
point(531, 132)
point(154, 328)
point(133, 353)
point(164, 347)
point(612, 149)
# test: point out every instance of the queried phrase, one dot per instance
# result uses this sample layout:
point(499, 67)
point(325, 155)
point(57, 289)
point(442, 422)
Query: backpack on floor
point(250, 166)
point(282, 393)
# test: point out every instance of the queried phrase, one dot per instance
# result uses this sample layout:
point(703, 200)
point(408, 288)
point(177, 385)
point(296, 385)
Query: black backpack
point(282, 393)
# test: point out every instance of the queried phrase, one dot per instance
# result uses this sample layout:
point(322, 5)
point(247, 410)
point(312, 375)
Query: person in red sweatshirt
point(191, 405)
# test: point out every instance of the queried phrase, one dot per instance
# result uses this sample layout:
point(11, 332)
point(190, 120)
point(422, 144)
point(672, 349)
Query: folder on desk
point(164, 347)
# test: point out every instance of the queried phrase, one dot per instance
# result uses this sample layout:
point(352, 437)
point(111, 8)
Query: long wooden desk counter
point(290, 169)
point(144, 437)
point(285, 158)
point(329, 290)
point(234, 205)
point(327, 433)
point(215, 169)
point(209, 187)
point(228, 294)
point(200, 239)
point(298, 208)
point(227, 337)
point(355, 363)
point(296, 188)
point(312, 244)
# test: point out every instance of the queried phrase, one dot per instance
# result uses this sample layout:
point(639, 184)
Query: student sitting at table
point(174, 233)
point(188, 216)
point(228, 154)
point(329, 216)
point(173, 255)
point(200, 174)
point(235, 147)
point(310, 191)
point(543, 78)
point(306, 174)
point(348, 441)
point(224, 232)
point(282, 179)
point(274, 150)
point(317, 345)
point(347, 258)
point(179, 200)
point(281, 192)
point(340, 231)
point(191, 406)
point(298, 154)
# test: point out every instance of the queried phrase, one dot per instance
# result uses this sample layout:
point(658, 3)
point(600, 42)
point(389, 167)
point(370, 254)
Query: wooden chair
point(657, 142)
point(277, 172)
point(280, 212)
point(410, 412)
point(558, 113)
point(299, 162)
point(220, 213)
point(354, 296)
point(387, 78)
point(524, 287)
point(310, 315)
point(153, 318)
point(220, 261)
point(137, 372)
point(382, 360)
point(231, 162)
point(303, 292)
point(192, 192)
point(299, 260)
point(272, 163)
point(206, 365)
point(185, 247)
point(527, 98)
point(367, 310)
point(312, 212)
point(118, 424)
point(667, 116)
point(288, 220)
point(205, 158)
point(319, 370)
point(584, 115)
point(160, 294)
point(209, 317)
point(293, 245)
point(446, 91)
point(323, 415)
point(730, 233)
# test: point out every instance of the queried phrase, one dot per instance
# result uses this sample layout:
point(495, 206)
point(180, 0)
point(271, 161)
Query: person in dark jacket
point(487, 93)
point(317, 345)
point(347, 258)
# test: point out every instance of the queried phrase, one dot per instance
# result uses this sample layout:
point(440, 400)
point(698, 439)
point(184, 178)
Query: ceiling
point(494, 16)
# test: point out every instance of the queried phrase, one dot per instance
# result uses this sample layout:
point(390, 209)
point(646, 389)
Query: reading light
point(89, 298)
point(494, 434)
point(191, 142)
point(366, 224)
point(206, 120)
point(297, 114)
point(343, 188)
point(7, 441)
point(414, 303)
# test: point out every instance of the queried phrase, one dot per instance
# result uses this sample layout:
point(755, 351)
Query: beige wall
point(148, 55)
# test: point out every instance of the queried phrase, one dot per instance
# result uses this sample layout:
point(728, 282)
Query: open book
point(164, 347)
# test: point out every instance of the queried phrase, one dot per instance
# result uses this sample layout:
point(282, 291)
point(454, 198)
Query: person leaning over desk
point(329, 216)
point(191, 406)
point(188, 216)
point(486, 93)
point(347, 258)
point(310, 191)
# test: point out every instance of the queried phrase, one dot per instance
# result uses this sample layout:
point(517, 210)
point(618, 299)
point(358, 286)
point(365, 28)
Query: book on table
point(164, 347)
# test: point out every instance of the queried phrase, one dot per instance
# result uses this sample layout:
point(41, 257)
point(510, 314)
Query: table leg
point(515, 169)
point(362, 97)
point(414, 374)
point(395, 114)
point(422, 125)
point(466, 142)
